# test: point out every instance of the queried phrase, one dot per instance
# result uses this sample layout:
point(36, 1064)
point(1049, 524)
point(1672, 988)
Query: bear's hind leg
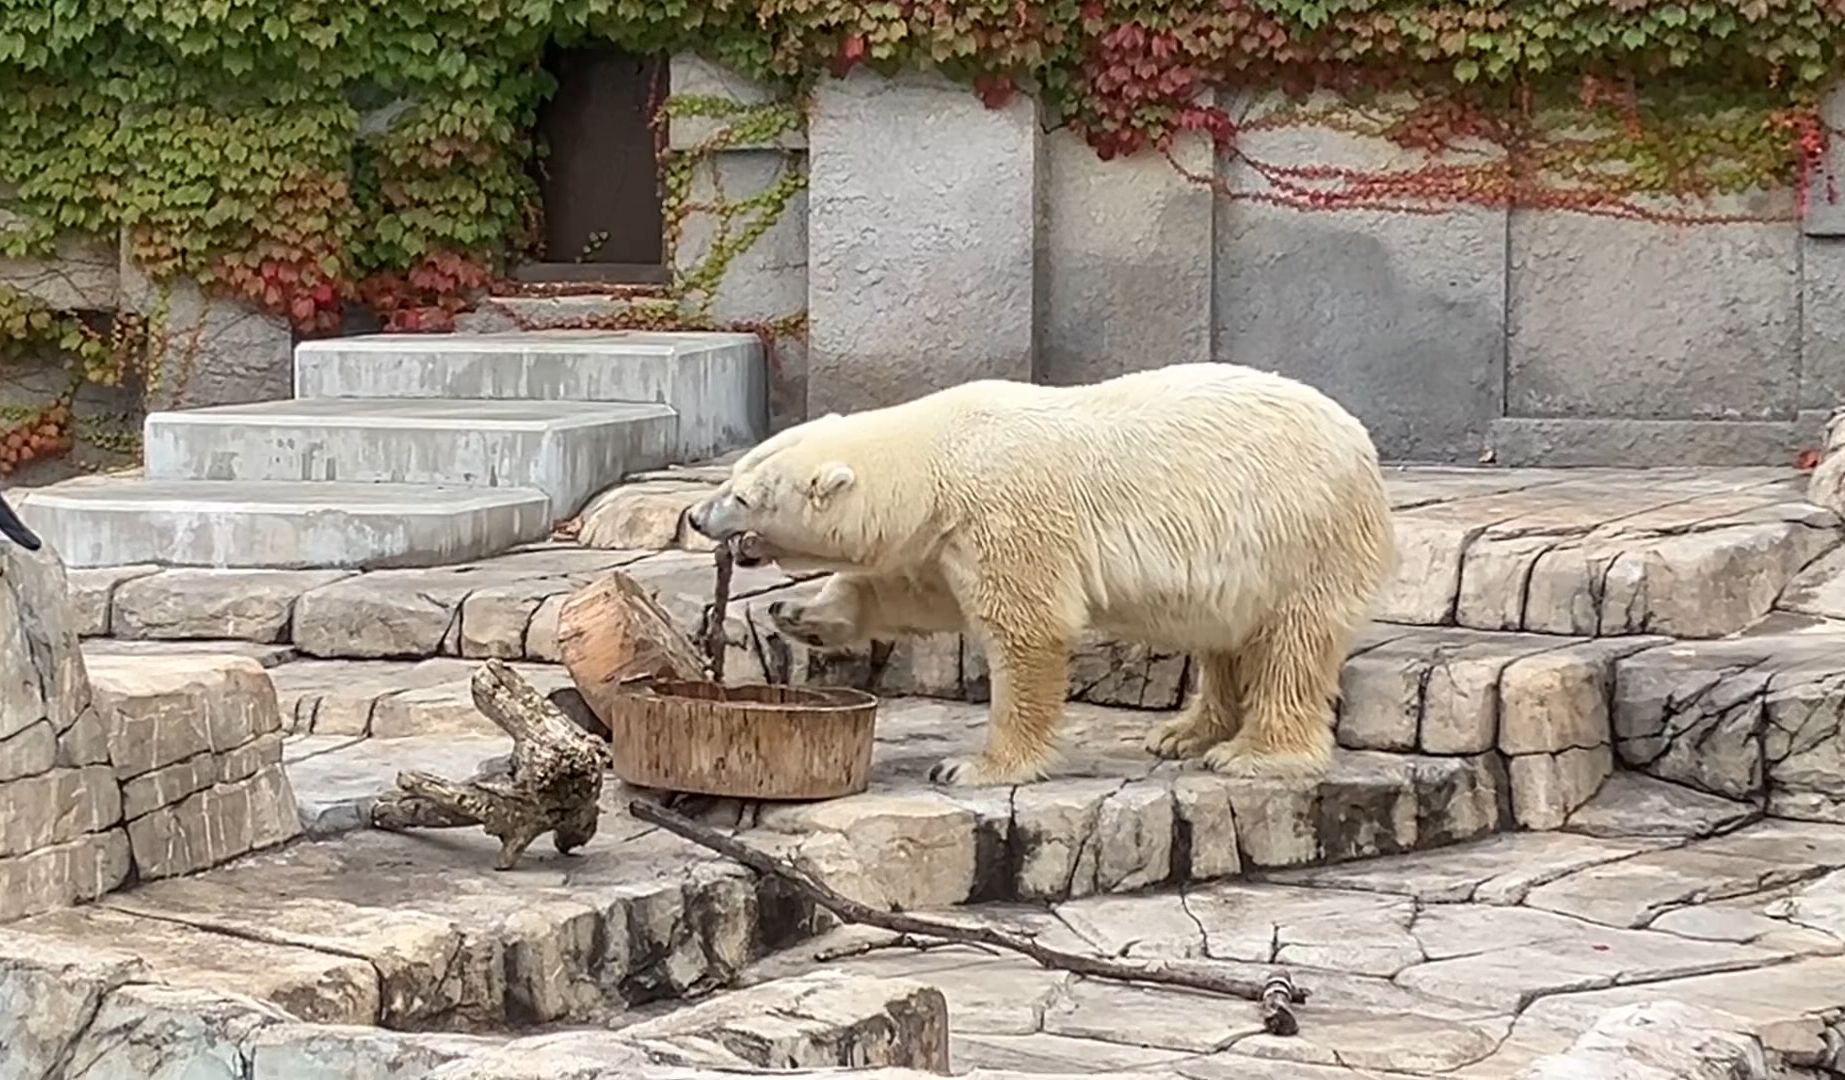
point(1289, 678)
point(1213, 714)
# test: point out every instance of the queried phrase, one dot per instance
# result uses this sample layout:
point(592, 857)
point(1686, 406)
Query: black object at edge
point(14, 529)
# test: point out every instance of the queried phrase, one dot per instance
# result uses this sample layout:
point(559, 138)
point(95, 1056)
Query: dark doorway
point(599, 180)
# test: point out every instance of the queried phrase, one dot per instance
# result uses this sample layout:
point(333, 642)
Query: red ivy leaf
point(851, 52)
point(995, 90)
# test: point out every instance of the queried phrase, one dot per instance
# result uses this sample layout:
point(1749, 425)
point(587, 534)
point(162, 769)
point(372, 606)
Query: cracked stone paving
point(1588, 816)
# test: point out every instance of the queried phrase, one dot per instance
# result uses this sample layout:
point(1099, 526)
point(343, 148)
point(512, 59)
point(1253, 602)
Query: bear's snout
point(699, 517)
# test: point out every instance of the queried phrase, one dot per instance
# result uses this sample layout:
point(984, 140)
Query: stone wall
point(120, 774)
point(219, 351)
point(768, 279)
point(949, 241)
point(61, 834)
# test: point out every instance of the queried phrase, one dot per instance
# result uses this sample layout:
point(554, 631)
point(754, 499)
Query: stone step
point(716, 382)
point(1538, 708)
point(100, 522)
point(569, 450)
point(1692, 553)
point(1759, 717)
point(1110, 818)
point(1553, 707)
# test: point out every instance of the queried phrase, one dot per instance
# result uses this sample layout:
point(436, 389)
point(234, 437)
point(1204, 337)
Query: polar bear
point(1231, 513)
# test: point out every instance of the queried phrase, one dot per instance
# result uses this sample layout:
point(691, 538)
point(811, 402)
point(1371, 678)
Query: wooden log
point(1277, 995)
point(673, 726)
point(550, 783)
point(613, 631)
point(746, 742)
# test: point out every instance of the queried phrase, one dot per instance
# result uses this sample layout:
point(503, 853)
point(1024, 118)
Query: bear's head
point(801, 499)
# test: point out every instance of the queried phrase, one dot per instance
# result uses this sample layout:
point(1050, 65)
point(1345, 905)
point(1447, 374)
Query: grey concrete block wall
point(1822, 273)
point(922, 229)
point(220, 350)
point(1528, 338)
point(1125, 266)
point(1631, 319)
point(1644, 343)
point(768, 280)
point(1399, 317)
point(80, 274)
point(1822, 323)
point(940, 241)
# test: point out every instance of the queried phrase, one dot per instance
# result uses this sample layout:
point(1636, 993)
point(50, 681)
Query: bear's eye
point(741, 501)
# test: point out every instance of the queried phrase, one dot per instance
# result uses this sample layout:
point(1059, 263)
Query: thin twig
point(716, 616)
point(1277, 994)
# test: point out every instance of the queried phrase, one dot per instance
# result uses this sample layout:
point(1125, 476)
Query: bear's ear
point(829, 480)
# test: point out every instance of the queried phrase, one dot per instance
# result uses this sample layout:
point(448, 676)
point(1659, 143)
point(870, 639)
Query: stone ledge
point(1592, 552)
point(1112, 819)
point(1685, 552)
point(1657, 1036)
point(1426, 982)
point(195, 744)
point(821, 1019)
point(1420, 965)
point(61, 840)
point(640, 915)
point(1758, 718)
point(100, 1005)
point(1632, 443)
point(1539, 702)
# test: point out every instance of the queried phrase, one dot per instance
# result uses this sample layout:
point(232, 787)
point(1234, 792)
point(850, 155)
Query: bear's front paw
point(980, 772)
point(792, 621)
point(1247, 760)
point(1185, 736)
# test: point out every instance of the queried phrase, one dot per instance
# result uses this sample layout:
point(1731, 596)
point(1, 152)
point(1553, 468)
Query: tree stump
point(674, 726)
point(550, 783)
point(743, 742)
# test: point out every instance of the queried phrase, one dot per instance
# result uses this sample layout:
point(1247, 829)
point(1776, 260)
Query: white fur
point(1232, 513)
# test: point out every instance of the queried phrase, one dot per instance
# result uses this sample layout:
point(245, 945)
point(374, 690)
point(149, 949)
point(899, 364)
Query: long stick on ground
point(1277, 1014)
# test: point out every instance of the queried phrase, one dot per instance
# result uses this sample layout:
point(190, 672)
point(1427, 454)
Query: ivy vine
point(313, 154)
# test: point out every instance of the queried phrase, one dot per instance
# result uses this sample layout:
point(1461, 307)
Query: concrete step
point(567, 449)
point(104, 521)
point(716, 382)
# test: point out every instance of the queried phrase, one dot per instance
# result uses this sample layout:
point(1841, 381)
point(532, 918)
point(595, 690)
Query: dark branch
point(1277, 994)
